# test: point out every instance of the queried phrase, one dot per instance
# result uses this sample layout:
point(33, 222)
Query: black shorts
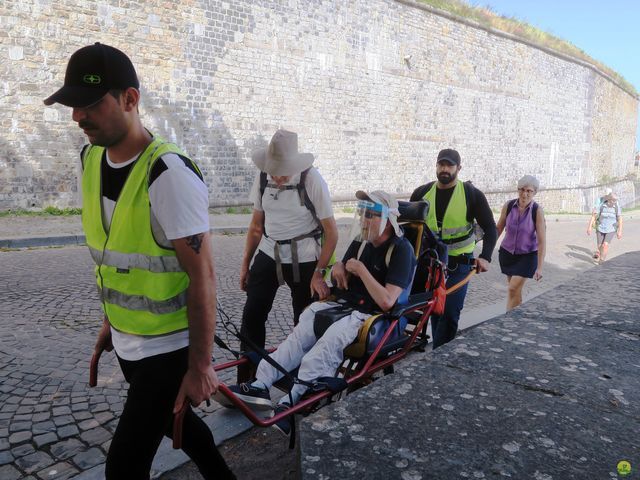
point(522, 265)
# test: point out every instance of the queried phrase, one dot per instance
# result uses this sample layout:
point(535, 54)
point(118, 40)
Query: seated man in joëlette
point(366, 272)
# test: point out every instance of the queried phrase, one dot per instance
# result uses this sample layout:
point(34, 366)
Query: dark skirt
point(522, 265)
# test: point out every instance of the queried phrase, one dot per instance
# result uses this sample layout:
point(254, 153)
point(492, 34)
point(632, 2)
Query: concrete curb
point(66, 240)
point(43, 241)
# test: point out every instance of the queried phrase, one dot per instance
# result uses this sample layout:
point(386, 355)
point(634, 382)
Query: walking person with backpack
point(608, 221)
point(596, 211)
point(523, 248)
point(294, 232)
point(455, 207)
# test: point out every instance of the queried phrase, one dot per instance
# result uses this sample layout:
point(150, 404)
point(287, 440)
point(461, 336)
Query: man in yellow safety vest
point(454, 207)
point(145, 217)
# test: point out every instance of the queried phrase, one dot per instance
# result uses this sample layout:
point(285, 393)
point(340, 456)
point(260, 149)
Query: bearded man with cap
point(145, 217)
point(376, 278)
point(454, 206)
point(294, 232)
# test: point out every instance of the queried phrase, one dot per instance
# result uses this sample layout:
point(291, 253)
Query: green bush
point(238, 210)
point(61, 211)
point(45, 212)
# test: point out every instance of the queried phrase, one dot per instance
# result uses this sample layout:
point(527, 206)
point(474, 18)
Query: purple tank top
point(520, 232)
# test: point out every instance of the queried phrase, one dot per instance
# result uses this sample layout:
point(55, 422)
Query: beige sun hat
point(386, 199)
point(281, 158)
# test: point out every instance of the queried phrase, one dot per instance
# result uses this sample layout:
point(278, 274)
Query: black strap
point(263, 183)
point(302, 192)
point(292, 436)
point(224, 346)
point(333, 384)
point(317, 234)
point(85, 150)
point(261, 352)
point(304, 196)
point(461, 260)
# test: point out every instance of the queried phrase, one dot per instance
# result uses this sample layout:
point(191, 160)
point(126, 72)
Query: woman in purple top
point(522, 250)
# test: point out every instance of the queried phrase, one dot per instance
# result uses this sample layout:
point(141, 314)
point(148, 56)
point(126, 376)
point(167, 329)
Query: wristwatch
point(321, 271)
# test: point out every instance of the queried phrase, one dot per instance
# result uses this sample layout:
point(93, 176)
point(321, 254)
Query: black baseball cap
point(91, 72)
point(449, 155)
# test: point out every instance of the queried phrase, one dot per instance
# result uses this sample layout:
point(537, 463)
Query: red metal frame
point(371, 366)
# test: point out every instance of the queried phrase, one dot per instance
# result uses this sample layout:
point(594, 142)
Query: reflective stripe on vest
point(456, 231)
point(126, 261)
point(145, 304)
point(142, 285)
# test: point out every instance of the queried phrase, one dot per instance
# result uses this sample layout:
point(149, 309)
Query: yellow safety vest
point(142, 285)
point(456, 231)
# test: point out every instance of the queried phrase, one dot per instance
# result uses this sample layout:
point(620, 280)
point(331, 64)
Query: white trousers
point(316, 359)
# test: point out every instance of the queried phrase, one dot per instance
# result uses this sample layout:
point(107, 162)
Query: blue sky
point(608, 31)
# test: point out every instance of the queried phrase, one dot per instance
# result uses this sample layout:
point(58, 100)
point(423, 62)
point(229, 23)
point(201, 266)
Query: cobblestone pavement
point(52, 426)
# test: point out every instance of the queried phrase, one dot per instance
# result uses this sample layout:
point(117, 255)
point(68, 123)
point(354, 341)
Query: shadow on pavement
point(583, 254)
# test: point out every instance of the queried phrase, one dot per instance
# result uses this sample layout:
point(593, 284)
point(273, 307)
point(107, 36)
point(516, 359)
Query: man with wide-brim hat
point(293, 230)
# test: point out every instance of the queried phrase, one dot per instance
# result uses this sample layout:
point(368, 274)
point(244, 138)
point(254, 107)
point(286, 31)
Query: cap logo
point(92, 79)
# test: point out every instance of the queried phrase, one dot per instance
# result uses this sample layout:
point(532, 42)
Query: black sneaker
point(257, 398)
point(284, 425)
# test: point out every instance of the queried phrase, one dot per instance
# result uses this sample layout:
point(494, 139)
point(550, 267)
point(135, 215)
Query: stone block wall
point(373, 87)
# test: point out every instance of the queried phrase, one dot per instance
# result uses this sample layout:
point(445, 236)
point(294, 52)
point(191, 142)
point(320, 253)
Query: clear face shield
point(369, 221)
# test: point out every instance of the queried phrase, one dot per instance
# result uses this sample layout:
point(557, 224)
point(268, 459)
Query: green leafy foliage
point(45, 212)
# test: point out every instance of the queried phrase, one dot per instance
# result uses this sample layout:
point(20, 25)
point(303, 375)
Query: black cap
point(93, 71)
point(449, 155)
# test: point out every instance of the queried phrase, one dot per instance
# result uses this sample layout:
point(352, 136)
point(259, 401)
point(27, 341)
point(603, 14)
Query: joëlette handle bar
point(373, 364)
point(93, 367)
point(462, 282)
point(177, 425)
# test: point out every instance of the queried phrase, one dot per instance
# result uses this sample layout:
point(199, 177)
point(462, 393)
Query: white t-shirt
point(179, 208)
point(286, 218)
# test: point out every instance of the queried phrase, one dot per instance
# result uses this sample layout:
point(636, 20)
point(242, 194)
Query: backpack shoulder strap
point(304, 196)
point(363, 244)
point(602, 205)
point(510, 205)
point(387, 257)
point(470, 196)
point(421, 191)
point(534, 212)
point(263, 183)
point(83, 154)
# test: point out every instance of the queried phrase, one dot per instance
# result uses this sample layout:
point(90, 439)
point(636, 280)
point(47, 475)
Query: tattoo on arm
point(195, 242)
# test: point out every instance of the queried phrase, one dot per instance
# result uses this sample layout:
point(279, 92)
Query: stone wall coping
point(515, 38)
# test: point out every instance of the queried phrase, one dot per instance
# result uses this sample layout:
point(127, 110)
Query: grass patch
point(238, 210)
point(631, 209)
point(487, 17)
point(45, 212)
